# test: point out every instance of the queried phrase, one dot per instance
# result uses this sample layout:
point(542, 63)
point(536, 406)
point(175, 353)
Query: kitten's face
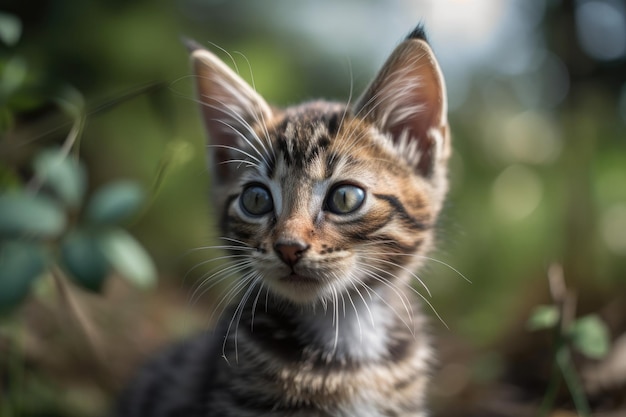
point(323, 198)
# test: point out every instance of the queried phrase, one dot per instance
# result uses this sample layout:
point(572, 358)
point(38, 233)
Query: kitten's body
point(327, 209)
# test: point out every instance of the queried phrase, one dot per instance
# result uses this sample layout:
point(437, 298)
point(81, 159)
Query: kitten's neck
point(355, 328)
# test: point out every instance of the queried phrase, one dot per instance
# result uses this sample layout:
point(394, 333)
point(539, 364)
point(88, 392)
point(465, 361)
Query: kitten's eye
point(256, 200)
point(345, 199)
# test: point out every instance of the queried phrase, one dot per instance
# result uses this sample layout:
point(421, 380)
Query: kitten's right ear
point(407, 101)
point(230, 109)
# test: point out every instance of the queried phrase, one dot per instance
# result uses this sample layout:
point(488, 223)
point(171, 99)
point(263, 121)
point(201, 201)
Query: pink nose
point(290, 251)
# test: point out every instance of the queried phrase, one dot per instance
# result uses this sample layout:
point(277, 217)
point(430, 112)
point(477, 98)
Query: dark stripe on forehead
point(332, 159)
point(283, 148)
point(333, 122)
point(270, 164)
point(323, 142)
point(304, 144)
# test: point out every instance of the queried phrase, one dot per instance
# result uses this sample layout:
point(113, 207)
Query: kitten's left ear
point(230, 109)
point(407, 100)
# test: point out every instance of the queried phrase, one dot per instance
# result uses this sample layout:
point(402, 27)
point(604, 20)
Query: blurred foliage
point(42, 216)
point(535, 179)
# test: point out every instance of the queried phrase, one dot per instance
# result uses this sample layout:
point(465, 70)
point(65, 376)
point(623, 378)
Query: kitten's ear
point(407, 100)
point(230, 109)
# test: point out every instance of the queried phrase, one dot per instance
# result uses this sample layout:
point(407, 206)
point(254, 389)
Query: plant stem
point(553, 388)
point(563, 359)
point(75, 312)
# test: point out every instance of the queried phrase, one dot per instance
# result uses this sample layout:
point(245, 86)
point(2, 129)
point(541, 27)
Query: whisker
point(414, 275)
point(260, 120)
point(258, 162)
point(240, 308)
point(218, 277)
point(398, 291)
point(447, 265)
point(227, 53)
point(459, 273)
point(369, 311)
point(356, 313)
point(229, 112)
point(371, 290)
point(254, 304)
point(232, 293)
point(336, 319)
point(230, 239)
point(424, 299)
point(219, 258)
point(220, 247)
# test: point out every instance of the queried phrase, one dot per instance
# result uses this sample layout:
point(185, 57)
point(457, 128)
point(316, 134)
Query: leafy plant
point(57, 225)
point(588, 335)
point(48, 222)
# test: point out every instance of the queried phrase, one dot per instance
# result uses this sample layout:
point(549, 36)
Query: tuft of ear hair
point(407, 101)
point(418, 33)
point(190, 44)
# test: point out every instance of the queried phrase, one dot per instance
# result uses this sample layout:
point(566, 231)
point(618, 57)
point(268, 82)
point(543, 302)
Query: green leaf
point(10, 29)
point(20, 264)
point(129, 258)
point(178, 153)
point(28, 214)
point(590, 336)
point(543, 317)
point(65, 175)
point(13, 75)
point(84, 259)
point(115, 203)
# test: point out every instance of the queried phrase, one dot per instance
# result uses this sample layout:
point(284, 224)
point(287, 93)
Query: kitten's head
point(324, 198)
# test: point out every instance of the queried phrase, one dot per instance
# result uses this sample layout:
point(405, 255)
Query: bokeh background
point(537, 100)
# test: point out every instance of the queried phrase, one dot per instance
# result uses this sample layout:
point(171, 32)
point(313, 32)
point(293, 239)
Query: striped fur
point(324, 320)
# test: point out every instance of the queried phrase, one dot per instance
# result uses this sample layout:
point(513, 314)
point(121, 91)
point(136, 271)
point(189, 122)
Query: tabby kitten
point(326, 209)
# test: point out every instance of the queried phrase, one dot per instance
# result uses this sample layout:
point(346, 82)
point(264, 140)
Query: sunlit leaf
point(129, 258)
point(84, 259)
point(590, 336)
point(178, 153)
point(20, 264)
point(64, 174)
point(543, 317)
point(28, 214)
point(114, 203)
point(10, 29)
point(71, 101)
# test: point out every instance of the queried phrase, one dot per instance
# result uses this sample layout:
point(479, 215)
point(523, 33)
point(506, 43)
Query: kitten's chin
point(300, 289)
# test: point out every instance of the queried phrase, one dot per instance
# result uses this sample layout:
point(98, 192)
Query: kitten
point(326, 209)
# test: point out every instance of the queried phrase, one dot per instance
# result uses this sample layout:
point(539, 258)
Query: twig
point(77, 313)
